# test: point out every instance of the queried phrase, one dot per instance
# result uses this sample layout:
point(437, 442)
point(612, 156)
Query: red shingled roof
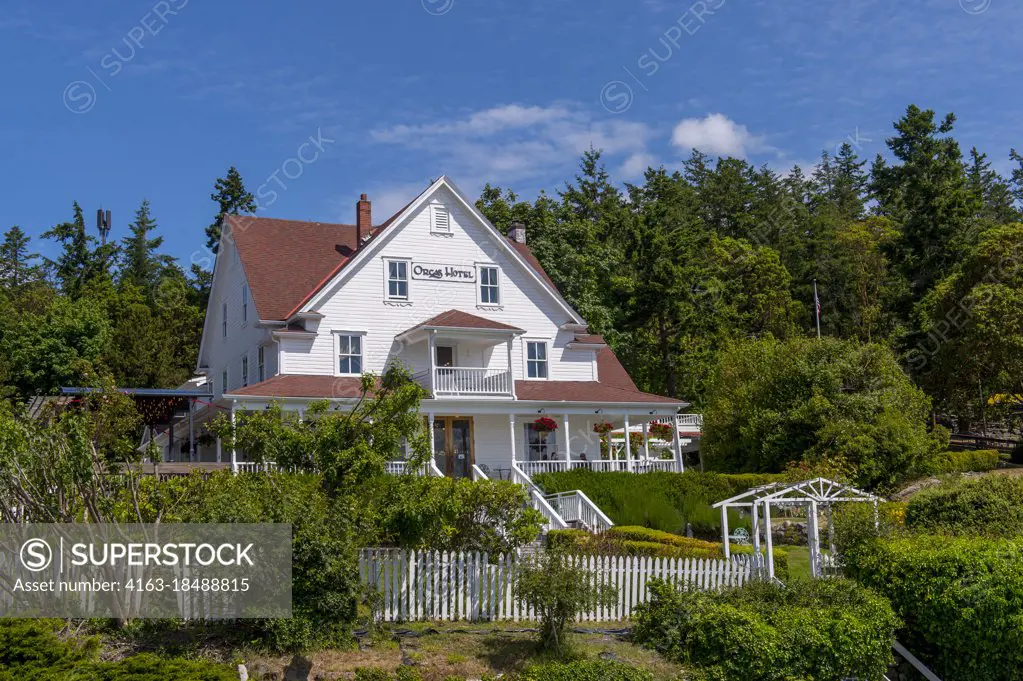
point(287, 261)
point(302, 385)
point(456, 319)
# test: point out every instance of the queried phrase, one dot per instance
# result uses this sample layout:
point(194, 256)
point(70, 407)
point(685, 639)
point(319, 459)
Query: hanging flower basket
point(602, 427)
point(545, 425)
point(661, 431)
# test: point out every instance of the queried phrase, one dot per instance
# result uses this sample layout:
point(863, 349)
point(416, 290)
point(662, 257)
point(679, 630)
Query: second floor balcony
point(468, 382)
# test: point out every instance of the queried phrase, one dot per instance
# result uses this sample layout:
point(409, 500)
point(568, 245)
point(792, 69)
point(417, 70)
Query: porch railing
point(253, 467)
point(689, 420)
point(576, 507)
point(457, 381)
point(401, 467)
point(552, 520)
point(532, 468)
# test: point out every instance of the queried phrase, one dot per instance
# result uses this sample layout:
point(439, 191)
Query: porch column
point(646, 440)
point(680, 464)
point(431, 343)
point(770, 540)
point(429, 426)
point(628, 446)
point(511, 370)
point(219, 450)
point(511, 430)
point(191, 430)
point(301, 414)
point(568, 443)
point(234, 438)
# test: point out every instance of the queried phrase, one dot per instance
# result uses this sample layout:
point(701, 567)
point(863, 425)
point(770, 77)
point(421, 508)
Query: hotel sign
point(439, 272)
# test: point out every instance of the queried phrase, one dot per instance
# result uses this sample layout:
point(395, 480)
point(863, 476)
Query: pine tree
point(232, 199)
point(73, 268)
point(140, 265)
point(992, 197)
point(850, 183)
point(16, 262)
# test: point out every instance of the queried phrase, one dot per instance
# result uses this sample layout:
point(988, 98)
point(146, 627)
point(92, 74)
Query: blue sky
point(112, 102)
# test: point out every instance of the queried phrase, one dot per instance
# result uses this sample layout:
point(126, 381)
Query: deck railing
point(576, 507)
point(457, 381)
point(532, 468)
point(689, 420)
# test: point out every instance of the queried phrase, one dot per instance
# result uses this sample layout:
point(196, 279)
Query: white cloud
point(514, 142)
point(636, 165)
point(716, 134)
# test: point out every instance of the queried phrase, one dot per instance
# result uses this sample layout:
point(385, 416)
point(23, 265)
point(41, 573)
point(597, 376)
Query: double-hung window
point(261, 364)
point(397, 279)
point(490, 288)
point(223, 319)
point(245, 370)
point(245, 303)
point(536, 359)
point(223, 381)
point(349, 350)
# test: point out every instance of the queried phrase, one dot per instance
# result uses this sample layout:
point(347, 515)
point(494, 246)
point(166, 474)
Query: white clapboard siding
point(470, 586)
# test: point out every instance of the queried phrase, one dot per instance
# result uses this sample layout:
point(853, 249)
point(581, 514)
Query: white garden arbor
point(817, 495)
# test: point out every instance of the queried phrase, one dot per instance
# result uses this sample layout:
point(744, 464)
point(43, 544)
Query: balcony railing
point(471, 381)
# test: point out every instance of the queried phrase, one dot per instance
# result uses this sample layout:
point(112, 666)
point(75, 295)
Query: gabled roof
point(456, 319)
point(285, 260)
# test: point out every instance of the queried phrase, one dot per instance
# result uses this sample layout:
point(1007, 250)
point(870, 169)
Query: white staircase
point(565, 510)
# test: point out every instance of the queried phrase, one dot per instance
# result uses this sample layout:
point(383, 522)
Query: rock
point(300, 669)
point(608, 655)
point(243, 673)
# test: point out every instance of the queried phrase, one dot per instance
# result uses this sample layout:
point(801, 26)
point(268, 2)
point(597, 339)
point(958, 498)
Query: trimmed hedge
point(813, 629)
point(979, 461)
point(961, 600)
point(662, 501)
point(643, 541)
point(991, 505)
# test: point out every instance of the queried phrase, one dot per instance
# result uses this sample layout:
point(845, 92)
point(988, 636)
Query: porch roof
point(347, 387)
point(461, 321)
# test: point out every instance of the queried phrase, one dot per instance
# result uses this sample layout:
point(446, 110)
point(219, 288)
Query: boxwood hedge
point(820, 629)
point(961, 600)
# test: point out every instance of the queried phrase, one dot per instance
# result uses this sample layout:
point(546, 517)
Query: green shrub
point(961, 600)
point(32, 649)
point(585, 670)
point(559, 591)
point(990, 505)
point(979, 461)
point(569, 540)
point(662, 501)
point(647, 534)
point(822, 629)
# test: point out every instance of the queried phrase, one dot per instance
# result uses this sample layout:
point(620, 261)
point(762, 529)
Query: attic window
point(440, 220)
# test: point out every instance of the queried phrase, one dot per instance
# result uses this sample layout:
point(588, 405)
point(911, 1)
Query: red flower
point(602, 427)
point(545, 424)
point(661, 431)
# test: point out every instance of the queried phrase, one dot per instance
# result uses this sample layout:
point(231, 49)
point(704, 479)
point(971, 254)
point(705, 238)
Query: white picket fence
point(456, 586)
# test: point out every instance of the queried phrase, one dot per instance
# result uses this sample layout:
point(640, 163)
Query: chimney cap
point(517, 232)
point(363, 198)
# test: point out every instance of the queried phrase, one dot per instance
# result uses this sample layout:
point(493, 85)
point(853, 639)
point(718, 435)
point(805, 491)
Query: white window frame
point(261, 363)
point(224, 381)
point(245, 304)
point(408, 279)
point(223, 319)
point(245, 369)
point(549, 446)
point(480, 268)
point(435, 225)
point(546, 342)
point(361, 335)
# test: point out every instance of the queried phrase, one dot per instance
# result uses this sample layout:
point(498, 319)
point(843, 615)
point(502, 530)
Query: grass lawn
point(799, 561)
point(470, 651)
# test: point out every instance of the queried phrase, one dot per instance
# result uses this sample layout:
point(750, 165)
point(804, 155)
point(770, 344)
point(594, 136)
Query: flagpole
point(817, 308)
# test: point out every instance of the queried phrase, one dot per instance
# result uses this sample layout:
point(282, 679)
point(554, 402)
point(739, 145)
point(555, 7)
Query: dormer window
point(397, 279)
point(440, 219)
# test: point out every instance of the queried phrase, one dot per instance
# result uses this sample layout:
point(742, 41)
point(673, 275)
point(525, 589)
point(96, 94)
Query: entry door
point(452, 445)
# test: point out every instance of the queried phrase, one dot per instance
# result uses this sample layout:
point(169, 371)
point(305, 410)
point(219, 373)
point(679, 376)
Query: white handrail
point(518, 475)
point(554, 521)
point(434, 470)
point(471, 381)
point(478, 474)
point(575, 506)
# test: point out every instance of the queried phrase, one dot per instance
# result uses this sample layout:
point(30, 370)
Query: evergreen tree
point(74, 267)
point(141, 266)
point(16, 262)
point(232, 199)
point(992, 197)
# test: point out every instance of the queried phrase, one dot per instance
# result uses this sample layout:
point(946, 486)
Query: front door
point(452, 445)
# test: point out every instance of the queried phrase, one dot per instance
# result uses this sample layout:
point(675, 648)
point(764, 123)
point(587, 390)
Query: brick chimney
point(363, 219)
point(517, 232)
